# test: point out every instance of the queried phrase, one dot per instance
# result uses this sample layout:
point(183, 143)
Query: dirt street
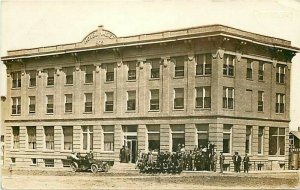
point(24, 179)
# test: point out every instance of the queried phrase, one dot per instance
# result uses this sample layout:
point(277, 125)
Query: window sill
point(14, 150)
point(108, 111)
point(228, 76)
point(31, 87)
point(260, 112)
point(131, 80)
point(109, 82)
point(48, 151)
point(69, 84)
point(49, 113)
point(65, 151)
point(208, 75)
point(30, 150)
point(130, 111)
point(154, 79)
point(88, 83)
point(87, 112)
point(280, 83)
point(68, 113)
point(261, 81)
point(178, 77)
point(17, 88)
point(279, 113)
point(49, 86)
point(227, 109)
point(35, 165)
point(249, 79)
point(153, 111)
point(31, 114)
point(178, 109)
point(202, 109)
point(15, 114)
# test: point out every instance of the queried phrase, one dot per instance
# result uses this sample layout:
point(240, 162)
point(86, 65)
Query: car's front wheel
point(74, 167)
point(94, 168)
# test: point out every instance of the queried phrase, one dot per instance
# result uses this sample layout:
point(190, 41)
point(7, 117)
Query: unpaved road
point(67, 180)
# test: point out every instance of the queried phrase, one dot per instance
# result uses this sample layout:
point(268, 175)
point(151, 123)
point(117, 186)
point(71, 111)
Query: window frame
point(204, 99)
point(261, 70)
point(230, 138)
point(16, 79)
point(203, 64)
point(280, 103)
point(179, 71)
point(249, 70)
point(90, 137)
point(15, 139)
point(175, 100)
point(131, 71)
point(154, 103)
point(34, 140)
point(153, 132)
point(229, 62)
point(109, 104)
point(155, 71)
point(50, 80)
point(48, 138)
point(226, 98)
point(260, 101)
point(32, 73)
point(108, 132)
point(31, 106)
point(173, 131)
point(16, 105)
point(131, 102)
point(66, 133)
point(88, 105)
point(110, 75)
point(48, 105)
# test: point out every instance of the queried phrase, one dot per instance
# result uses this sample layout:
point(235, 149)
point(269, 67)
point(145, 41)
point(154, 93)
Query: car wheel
point(105, 167)
point(74, 167)
point(94, 168)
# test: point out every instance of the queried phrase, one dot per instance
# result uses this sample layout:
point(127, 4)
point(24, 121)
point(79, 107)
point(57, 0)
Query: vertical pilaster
point(190, 136)
point(118, 140)
point(254, 144)
point(191, 73)
point(166, 76)
point(165, 138)
point(58, 138)
point(238, 139)
point(216, 135)
point(266, 141)
point(97, 146)
point(40, 138)
point(23, 137)
point(141, 137)
point(77, 138)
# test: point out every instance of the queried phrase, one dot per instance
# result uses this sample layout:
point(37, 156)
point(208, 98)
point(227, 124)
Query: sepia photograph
point(150, 94)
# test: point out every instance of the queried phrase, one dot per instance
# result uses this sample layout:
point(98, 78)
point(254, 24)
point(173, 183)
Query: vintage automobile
point(86, 163)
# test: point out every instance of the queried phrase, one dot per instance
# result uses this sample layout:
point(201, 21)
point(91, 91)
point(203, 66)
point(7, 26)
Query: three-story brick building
point(150, 92)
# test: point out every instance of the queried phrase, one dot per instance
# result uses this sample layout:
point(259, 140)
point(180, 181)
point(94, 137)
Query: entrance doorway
point(130, 140)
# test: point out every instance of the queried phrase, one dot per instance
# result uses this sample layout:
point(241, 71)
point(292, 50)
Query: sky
point(36, 23)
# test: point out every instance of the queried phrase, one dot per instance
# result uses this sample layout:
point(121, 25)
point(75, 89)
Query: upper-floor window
point(31, 137)
point(88, 103)
point(280, 103)
point(228, 65)
point(88, 74)
point(155, 68)
point(131, 70)
point(228, 97)
point(248, 97)
point(203, 66)
point(69, 72)
point(16, 137)
point(260, 103)
point(203, 98)
point(261, 69)
point(16, 106)
point(87, 138)
point(109, 101)
point(50, 77)
point(249, 69)
point(50, 104)
point(108, 137)
point(32, 104)
point(110, 72)
point(154, 99)
point(280, 73)
point(131, 100)
point(49, 137)
point(178, 98)
point(16, 79)
point(32, 78)
point(68, 102)
point(179, 66)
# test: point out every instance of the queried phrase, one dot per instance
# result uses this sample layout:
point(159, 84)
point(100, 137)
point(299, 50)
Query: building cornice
point(209, 31)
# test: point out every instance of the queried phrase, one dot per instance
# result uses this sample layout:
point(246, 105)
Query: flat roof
point(104, 39)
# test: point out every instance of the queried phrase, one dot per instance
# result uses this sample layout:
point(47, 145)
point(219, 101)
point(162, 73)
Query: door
point(132, 146)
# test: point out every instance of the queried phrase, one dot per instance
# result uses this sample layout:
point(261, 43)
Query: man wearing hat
point(222, 158)
point(237, 161)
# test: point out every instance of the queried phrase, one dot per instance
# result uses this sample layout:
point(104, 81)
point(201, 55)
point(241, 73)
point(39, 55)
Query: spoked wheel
point(74, 167)
point(94, 168)
point(105, 167)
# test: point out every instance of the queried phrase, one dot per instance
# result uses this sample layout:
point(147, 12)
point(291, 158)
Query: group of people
point(237, 159)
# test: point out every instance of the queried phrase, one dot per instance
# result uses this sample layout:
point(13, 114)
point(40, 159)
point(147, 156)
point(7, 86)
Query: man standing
point(236, 158)
point(214, 161)
point(222, 158)
point(246, 161)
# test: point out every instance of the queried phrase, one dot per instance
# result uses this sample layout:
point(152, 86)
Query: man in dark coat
point(236, 158)
point(246, 161)
point(222, 158)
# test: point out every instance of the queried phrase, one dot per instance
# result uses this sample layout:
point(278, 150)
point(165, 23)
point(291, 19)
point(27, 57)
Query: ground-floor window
point(66, 163)
point(276, 141)
point(227, 130)
point(49, 137)
point(108, 137)
point(202, 133)
point(260, 139)
point(49, 162)
point(153, 137)
point(87, 138)
point(31, 137)
point(68, 137)
point(178, 138)
point(248, 139)
point(16, 137)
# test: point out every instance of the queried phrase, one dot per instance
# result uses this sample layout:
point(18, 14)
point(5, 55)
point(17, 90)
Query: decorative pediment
point(97, 37)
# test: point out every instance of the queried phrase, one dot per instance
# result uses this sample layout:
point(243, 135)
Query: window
point(131, 70)
point(202, 133)
point(280, 73)
point(248, 97)
point(261, 69)
point(203, 99)
point(110, 72)
point(228, 98)
point(153, 137)
point(33, 161)
point(88, 105)
point(68, 137)
point(49, 137)
point(31, 137)
point(66, 163)
point(276, 141)
point(178, 136)
point(249, 69)
point(131, 96)
point(16, 106)
point(280, 101)
point(31, 104)
point(68, 103)
point(50, 77)
point(248, 139)
point(179, 66)
point(13, 160)
point(203, 66)
point(50, 106)
point(155, 68)
point(49, 163)
point(32, 78)
point(87, 138)
point(154, 99)
point(109, 101)
point(260, 103)
point(260, 139)
point(178, 98)
point(228, 65)
point(69, 75)
point(108, 134)
point(16, 79)
point(16, 137)
point(88, 75)
point(227, 138)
